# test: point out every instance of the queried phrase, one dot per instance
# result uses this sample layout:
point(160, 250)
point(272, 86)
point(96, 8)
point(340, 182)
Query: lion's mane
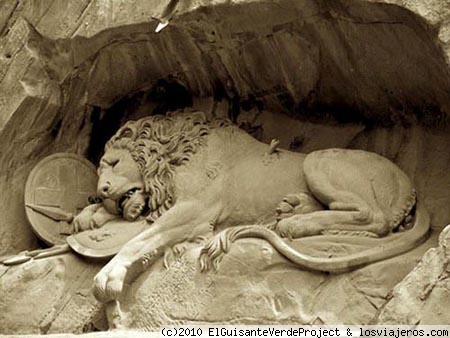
point(160, 143)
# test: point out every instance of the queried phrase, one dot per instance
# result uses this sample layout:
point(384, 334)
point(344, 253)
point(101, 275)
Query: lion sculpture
point(191, 175)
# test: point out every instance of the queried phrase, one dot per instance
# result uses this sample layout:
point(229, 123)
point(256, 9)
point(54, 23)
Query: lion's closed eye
point(109, 163)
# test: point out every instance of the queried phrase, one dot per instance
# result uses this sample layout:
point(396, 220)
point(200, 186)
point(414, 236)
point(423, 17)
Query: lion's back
point(252, 181)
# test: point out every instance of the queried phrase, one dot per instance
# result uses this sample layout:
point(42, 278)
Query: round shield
point(106, 241)
point(57, 189)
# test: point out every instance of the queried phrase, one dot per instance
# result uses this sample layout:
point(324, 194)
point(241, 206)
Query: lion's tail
point(402, 243)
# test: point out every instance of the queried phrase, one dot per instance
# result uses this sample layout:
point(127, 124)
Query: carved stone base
point(253, 285)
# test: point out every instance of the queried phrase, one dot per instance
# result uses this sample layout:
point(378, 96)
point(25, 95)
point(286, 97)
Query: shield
point(106, 241)
point(58, 185)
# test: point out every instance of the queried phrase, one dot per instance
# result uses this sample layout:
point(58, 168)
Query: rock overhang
point(355, 60)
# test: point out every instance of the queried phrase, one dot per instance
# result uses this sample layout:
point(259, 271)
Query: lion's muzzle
point(104, 189)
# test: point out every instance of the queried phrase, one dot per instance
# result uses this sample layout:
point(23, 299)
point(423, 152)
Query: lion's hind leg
point(344, 215)
point(336, 179)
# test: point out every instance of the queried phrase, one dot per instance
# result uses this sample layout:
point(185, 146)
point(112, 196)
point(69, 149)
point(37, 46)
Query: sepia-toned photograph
point(224, 168)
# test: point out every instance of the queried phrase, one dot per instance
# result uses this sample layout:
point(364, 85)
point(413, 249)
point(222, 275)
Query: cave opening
point(165, 96)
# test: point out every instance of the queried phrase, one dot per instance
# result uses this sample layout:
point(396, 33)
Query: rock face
point(423, 296)
point(253, 285)
point(48, 296)
point(436, 13)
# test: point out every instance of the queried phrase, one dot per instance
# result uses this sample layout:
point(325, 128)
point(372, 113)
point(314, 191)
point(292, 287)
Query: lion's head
point(143, 154)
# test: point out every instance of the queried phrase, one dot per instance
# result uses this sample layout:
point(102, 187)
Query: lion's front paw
point(101, 217)
point(109, 282)
point(83, 221)
point(295, 204)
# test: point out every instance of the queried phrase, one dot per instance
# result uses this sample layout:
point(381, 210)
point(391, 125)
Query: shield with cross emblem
point(60, 184)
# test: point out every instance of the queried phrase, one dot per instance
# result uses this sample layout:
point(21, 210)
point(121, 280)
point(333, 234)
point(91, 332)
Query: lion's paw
point(295, 227)
point(101, 217)
point(82, 222)
point(109, 282)
point(295, 204)
point(285, 227)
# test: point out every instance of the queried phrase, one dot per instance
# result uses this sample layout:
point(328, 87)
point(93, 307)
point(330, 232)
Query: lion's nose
point(104, 189)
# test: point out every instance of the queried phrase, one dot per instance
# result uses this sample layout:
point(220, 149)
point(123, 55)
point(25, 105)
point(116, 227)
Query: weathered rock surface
point(436, 13)
point(253, 285)
point(423, 296)
point(48, 296)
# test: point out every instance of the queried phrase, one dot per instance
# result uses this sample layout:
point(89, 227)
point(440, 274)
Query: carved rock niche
point(370, 75)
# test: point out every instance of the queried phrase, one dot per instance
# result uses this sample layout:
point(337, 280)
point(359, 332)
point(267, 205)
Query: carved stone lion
point(191, 176)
